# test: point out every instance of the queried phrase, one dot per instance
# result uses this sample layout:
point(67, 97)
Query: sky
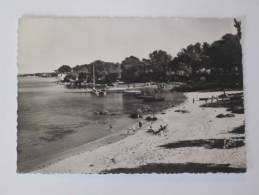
point(46, 43)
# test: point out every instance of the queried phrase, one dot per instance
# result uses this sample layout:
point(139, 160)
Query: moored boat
point(99, 92)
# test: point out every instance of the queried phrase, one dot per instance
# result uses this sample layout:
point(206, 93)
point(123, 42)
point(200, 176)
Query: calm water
point(52, 119)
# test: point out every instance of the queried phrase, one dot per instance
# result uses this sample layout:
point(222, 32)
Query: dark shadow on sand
point(238, 130)
point(208, 143)
point(179, 168)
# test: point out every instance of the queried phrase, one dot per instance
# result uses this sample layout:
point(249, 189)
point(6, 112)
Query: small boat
point(99, 93)
point(102, 92)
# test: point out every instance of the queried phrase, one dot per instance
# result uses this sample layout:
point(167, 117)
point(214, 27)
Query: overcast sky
point(45, 43)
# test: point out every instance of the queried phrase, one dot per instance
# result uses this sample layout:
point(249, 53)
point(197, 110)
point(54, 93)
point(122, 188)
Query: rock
point(182, 111)
point(151, 118)
point(135, 115)
point(113, 160)
point(104, 112)
point(220, 116)
point(229, 115)
point(225, 115)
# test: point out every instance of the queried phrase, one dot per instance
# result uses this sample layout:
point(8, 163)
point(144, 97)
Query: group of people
point(150, 129)
point(160, 129)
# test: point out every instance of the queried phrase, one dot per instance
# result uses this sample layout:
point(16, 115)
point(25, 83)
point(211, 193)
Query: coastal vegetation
point(199, 66)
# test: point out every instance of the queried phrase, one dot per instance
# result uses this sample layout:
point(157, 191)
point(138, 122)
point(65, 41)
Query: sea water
point(53, 119)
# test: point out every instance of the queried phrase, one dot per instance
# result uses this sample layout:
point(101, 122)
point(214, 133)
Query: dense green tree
point(226, 55)
point(191, 59)
point(132, 69)
point(220, 61)
point(64, 69)
point(105, 72)
point(226, 58)
point(237, 25)
point(148, 70)
point(160, 61)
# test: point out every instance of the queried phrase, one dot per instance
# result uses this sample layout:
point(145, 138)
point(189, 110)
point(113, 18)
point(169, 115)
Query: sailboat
point(97, 92)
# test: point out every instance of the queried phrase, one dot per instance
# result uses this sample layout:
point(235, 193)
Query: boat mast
point(93, 78)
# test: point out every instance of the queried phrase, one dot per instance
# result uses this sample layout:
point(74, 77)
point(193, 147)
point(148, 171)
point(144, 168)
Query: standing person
point(150, 127)
point(140, 124)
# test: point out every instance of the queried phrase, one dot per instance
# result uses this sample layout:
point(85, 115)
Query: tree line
point(219, 62)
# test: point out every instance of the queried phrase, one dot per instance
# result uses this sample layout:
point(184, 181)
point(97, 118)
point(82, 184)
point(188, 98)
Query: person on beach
point(161, 127)
point(222, 98)
point(150, 127)
point(193, 100)
point(140, 124)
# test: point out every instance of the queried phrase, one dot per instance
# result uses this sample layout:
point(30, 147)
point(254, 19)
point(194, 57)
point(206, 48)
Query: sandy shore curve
point(198, 128)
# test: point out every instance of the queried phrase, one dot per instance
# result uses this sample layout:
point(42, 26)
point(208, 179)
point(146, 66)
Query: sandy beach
point(193, 139)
